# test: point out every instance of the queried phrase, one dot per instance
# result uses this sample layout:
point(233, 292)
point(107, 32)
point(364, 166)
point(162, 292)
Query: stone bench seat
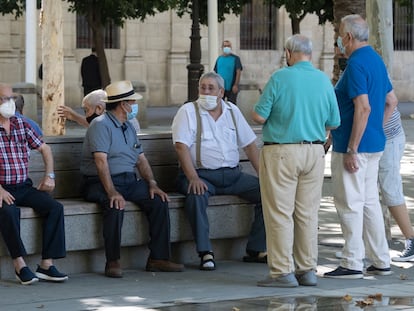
point(230, 216)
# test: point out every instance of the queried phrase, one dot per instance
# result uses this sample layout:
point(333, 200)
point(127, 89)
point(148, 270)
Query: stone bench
point(230, 217)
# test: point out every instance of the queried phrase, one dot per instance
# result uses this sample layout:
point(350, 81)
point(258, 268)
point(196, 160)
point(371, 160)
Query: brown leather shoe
point(158, 265)
point(113, 269)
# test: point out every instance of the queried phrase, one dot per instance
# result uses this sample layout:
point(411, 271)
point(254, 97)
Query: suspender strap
point(198, 137)
point(199, 127)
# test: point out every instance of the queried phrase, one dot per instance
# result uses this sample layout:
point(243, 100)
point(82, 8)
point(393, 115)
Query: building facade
point(155, 54)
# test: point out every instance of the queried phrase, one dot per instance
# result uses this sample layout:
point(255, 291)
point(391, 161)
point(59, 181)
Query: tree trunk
point(53, 75)
point(380, 21)
point(342, 8)
point(295, 22)
point(94, 21)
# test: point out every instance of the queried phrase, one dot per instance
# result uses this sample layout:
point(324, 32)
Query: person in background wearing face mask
point(111, 153)
point(366, 101)
point(209, 164)
point(19, 101)
point(93, 106)
point(16, 189)
point(228, 65)
point(298, 106)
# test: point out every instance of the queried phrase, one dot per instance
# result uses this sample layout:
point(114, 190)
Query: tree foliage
point(224, 7)
point(100, 13)
point(15, 7)
point(297, 10)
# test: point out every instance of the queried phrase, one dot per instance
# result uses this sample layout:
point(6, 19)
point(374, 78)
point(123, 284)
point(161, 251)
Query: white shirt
point(219, 144)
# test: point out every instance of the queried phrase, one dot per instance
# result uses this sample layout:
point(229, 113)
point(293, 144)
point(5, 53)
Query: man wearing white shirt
point(207, 135)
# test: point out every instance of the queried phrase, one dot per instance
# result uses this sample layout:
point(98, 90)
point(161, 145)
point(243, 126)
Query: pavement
point(233, 285)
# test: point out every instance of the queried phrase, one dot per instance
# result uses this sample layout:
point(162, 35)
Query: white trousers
point(359, 210)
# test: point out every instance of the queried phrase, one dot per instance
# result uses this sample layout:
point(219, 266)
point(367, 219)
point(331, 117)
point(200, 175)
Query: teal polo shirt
point(298, 103)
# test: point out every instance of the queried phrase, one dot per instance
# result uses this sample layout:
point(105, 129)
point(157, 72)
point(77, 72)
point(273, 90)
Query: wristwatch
point(51, 175)
point(350, 151)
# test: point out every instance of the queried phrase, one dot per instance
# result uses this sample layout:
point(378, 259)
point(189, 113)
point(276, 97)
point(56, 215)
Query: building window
point(258, 26)
point(84, 34)
point(403, 26)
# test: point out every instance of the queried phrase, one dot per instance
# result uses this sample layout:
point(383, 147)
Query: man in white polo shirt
point(207, 135)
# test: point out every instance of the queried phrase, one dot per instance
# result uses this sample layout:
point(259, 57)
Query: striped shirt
point(14, 151)
point(393, 127)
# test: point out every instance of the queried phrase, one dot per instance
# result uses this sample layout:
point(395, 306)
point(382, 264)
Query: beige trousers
point(291, 178)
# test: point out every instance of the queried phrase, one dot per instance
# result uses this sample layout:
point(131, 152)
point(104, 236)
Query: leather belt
point(316, 142)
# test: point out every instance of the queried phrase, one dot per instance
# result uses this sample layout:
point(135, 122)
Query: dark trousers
point(53, 227)
point(136, 191)
point(223, 181)
point(230, 96)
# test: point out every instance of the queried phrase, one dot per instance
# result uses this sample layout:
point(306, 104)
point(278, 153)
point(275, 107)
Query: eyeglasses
point(6, 98)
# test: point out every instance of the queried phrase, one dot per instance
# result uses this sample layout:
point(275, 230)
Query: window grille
point(403, 26)
point(84, 34)
point(258, 26)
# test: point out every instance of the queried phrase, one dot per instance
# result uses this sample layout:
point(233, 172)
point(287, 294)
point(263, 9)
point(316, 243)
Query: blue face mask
point(134, 112)
point(227, 50)
point(340, 45)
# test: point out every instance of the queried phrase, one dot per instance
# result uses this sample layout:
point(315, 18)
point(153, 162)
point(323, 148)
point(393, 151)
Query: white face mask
point(8, 108)
point(207, 102)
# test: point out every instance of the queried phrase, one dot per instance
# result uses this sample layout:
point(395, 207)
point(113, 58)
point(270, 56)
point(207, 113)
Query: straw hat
point(120, 90)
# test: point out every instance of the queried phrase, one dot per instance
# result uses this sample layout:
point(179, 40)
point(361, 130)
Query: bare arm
point(46, 184)
point(257, 118)
point(146, 173)
point(252, 153)
point(235, 87)
point(70, 114)
point(391, 102)
point(184, 157)
point(362, 109)
point(116, 199)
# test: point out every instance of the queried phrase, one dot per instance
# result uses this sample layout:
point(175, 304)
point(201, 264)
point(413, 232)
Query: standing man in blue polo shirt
point(229, 67)
point(366, 101)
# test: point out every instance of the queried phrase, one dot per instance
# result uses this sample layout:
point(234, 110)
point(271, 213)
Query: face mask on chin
point(8, 108)
point(207, 102)
point(91, 117)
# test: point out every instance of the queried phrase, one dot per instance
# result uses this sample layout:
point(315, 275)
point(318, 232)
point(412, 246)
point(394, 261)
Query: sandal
point(207, 261)
point(259, 257)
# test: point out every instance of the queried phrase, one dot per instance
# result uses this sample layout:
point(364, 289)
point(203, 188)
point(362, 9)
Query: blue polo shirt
point(299, 103)
point(365, 73)
point(118, 140)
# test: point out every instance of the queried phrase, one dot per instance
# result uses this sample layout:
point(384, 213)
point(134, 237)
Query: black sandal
point(207, 259)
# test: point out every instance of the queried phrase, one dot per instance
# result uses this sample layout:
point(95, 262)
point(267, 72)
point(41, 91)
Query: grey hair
point(299, 43)
point(357, 26)
point(94, 98)
point(215, 76)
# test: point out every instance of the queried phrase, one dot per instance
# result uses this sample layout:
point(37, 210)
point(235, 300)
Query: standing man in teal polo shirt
point(297, 107)
point(229, 67)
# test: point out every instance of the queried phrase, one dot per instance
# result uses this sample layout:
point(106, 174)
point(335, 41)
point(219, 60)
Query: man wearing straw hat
point(111, 153)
